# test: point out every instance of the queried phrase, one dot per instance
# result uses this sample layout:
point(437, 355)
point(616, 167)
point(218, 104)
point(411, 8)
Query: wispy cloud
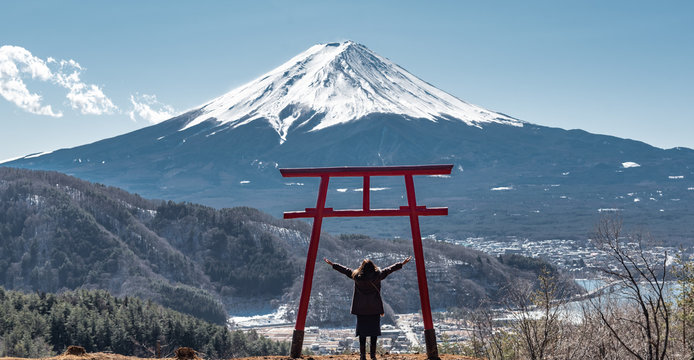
point(147, 107)
point(17, 63)
point(87, 98)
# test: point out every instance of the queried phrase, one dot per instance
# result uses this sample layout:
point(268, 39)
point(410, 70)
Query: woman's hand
point(406, 260)
point(328, 261)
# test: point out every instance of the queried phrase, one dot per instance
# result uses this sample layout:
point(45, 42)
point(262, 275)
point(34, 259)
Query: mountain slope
point(341, 104)
point(58, 232)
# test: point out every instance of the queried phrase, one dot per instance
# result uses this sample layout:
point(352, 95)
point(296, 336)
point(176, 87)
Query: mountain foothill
point(61, 233)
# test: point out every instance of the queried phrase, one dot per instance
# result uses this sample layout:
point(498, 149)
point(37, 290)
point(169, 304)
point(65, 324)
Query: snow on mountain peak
point(342, 81)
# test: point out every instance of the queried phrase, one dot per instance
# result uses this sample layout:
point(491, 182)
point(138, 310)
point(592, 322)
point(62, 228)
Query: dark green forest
point(44, 324)
point(59, 232)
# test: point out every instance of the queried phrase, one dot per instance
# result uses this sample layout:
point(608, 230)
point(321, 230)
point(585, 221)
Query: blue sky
point(622, 68)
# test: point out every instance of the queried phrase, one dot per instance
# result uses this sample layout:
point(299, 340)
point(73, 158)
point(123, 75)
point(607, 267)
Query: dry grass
point(88, 356)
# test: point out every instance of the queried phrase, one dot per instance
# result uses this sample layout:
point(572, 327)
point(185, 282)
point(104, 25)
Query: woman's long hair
point(366, 268)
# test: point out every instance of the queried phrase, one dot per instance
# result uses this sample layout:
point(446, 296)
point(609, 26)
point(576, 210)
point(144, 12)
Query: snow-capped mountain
point(341, 104)
point(340, 82)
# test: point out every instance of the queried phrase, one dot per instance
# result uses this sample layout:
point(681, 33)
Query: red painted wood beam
point(402, 211)
point(311, 256)
point(418, 255)
point(346, 171)
point(366, 190)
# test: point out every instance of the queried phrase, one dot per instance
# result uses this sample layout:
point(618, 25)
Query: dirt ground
point(108, 356)
point(356, 357)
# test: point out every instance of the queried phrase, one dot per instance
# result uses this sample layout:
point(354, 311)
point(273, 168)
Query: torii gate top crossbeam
point(357, 171)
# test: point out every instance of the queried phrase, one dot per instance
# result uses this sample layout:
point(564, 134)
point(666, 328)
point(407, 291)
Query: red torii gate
point(320, 211)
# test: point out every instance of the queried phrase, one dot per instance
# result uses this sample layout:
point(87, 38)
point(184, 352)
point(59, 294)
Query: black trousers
point(362, 346)
point(368, 325)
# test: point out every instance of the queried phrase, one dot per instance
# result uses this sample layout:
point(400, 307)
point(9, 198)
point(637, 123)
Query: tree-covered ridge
point(237, 256)
point(43, 324)
point(59, 233)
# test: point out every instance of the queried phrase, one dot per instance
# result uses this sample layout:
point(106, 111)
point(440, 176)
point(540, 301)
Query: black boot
point(362, 348)
point(374, 339)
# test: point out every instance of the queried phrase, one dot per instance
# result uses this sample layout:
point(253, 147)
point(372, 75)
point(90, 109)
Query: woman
point(366, 301)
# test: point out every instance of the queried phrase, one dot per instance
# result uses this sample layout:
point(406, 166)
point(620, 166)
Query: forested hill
point(40, 324)
point(58, 232)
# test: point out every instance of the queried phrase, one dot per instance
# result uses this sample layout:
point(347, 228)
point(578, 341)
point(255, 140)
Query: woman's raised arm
point(397, 266)
point(343, 269)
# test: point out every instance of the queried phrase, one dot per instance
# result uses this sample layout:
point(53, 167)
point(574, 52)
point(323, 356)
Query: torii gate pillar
point(320, 211)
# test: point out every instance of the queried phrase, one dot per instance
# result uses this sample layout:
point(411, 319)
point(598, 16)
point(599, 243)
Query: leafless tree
point(685, 303)
point(537, 316)
point(642, 329)
point(489, 340)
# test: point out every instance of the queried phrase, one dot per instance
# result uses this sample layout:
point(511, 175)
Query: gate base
point(297, 343)
point(430, 341)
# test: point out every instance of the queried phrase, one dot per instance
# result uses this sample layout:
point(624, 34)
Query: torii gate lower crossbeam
point(320, 211)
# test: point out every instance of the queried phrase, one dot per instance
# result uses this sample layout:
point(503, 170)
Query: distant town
point(578, 258)
point(406, 336)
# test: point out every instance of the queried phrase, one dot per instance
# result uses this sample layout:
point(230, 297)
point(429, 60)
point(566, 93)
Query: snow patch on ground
point(274, 318)
point(30, 156)
point(11, 159)
point(39, 154)
point(372, 189)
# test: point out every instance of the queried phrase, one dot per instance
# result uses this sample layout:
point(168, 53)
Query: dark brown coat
point(366, 299)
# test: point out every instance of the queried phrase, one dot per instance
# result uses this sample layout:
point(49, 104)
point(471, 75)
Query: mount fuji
point(342, 104)
point(337, 83)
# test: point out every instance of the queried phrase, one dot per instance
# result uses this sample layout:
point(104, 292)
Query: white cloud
point(17, 63)
point(88, 99)
point(149, 108)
